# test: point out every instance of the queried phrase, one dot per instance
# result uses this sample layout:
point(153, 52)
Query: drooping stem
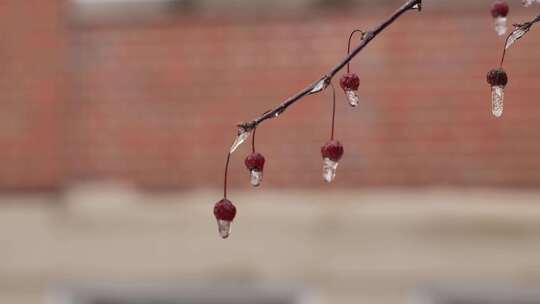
point(504, 51)
point(367, 37)
point(333, 110)
point(349, 46)
point(226, 174)
point(253, 139)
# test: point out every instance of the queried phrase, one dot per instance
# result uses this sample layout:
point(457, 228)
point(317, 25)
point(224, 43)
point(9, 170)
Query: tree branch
point(519, 31)
point(323, 82)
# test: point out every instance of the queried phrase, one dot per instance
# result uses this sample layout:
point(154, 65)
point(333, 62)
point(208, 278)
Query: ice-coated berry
point(255, 161)
point(497, 77)
point(224, 210)
point(349, 82)
point(499, 9)
point(332, 150)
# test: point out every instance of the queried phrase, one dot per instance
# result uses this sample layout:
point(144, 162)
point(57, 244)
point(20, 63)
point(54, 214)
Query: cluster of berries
point(331, 151)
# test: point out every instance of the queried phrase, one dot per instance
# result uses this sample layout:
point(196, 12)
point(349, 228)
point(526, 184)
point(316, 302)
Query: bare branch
point(519, 31)
point(324, 81)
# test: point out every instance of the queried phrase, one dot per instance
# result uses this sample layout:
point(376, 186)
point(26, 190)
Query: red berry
point(497, 77)
point(499, 9)
point(224, 210)
point(332, 150)
point(349, 82)
point(255, 161)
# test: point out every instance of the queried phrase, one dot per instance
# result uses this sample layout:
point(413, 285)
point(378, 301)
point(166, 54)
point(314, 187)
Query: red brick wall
point(157, 104)
point(32, 94)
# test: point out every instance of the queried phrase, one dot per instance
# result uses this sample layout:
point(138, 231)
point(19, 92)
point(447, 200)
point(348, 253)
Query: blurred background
point(116, 116)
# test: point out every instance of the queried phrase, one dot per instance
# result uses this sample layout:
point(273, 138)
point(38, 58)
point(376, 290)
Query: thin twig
point(325, 80)
point(526, 27)
point(368, 36)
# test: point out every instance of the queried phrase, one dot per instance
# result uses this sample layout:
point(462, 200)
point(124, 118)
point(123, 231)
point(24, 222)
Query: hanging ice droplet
point(527, 3)
point(497, 100)
point(352, 97)
point(224, 228)
point(319, 86)
point(417, 6)
point(256, 178)
point(501, 25)
point(278, 112)
point(515, 36)
point(242, 135)
point(329, 170)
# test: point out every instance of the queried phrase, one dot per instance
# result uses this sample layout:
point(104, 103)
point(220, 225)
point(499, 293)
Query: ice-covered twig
point(323, 82)
point(519, 31)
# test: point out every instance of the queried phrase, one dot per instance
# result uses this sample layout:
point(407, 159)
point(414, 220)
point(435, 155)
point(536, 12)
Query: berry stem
point(504, 50)
point(333, 110)
point(253, 140)
point(349, 46)
point(226, 174)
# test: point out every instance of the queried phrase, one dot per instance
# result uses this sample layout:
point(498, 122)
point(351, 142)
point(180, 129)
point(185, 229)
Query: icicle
point(224, 228)
point(515, 36)
point(352, 97)
point(527, 3)
point(319, 86)
point(256, 178)
point(497, 100)
point(242, 135)
point(501, 25)
point(329, 170)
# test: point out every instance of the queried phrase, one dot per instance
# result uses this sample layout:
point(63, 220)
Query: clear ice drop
point(319, 86)
point(276, 115)
point(224, 228)
point(497, 99)
point(352, 97)
point(329, 170)
point(242, 135)
point(256, 178)
point(516, 34)
point(527, 3)
point(501, 25)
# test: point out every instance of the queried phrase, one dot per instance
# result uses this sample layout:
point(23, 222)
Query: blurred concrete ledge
point(349, 245)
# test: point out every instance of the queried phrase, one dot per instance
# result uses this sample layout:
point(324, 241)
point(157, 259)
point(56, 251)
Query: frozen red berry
point(255, 161)
point(224, 211)
point(255, 164)
point(499, 9)
point(349, 82)
point(332, 150)
point(497, 78)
